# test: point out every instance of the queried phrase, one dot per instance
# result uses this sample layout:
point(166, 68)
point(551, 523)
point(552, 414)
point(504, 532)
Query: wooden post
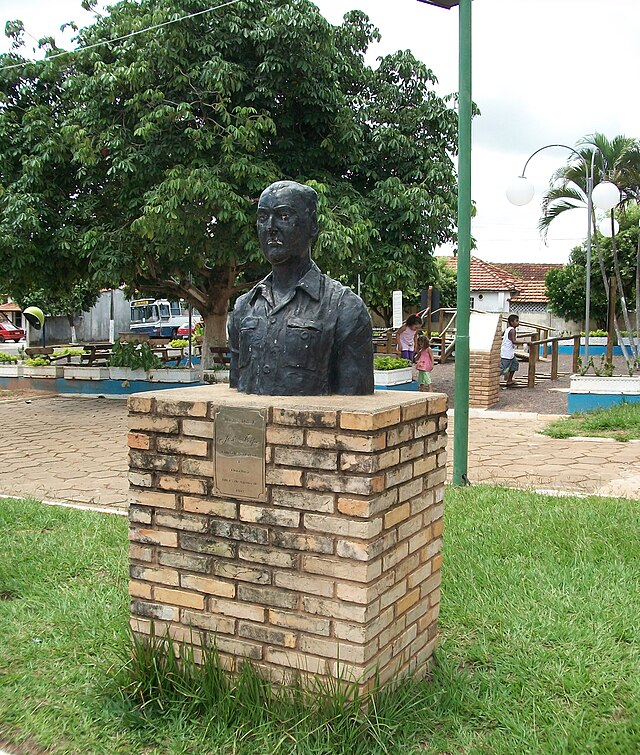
point(443, 347)
point(533, 358)
point(429, 312)
point(390, 338)
point(576, 353)
point(554, 360)
point(611, 316)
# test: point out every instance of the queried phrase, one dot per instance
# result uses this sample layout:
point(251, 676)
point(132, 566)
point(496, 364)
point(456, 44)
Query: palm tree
point(618, 161)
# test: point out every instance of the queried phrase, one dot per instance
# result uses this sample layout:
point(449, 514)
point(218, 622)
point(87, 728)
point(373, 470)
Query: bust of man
point(298, 332)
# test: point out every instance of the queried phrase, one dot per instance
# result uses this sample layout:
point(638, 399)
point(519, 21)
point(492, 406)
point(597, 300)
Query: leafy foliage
point(140, 162)
point(136, 356)
point(390, 363)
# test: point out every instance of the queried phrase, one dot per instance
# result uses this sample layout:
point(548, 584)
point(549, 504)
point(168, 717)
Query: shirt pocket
point(302, 343)
point(249, 339)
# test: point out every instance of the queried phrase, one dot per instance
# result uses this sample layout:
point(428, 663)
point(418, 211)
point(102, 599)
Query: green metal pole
point(461, 413)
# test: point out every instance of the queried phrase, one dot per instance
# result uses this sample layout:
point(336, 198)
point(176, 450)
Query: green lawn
point(540, 641)
point(620, 422)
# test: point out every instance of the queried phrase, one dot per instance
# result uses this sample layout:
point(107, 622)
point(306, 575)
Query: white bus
point(158, 317)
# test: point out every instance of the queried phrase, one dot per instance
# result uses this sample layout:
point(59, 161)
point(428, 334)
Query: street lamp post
point(461, 386)
point(605, 196)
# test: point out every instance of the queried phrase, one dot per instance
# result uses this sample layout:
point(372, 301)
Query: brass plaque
point(239, 453)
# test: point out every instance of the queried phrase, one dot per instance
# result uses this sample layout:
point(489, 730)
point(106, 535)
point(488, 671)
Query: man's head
point(287, 222)
point(513, 321)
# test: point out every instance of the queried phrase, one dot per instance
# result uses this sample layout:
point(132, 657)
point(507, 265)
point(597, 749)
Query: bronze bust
point(298, 332)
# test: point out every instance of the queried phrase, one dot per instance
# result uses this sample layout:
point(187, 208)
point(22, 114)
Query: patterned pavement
point(74, 450)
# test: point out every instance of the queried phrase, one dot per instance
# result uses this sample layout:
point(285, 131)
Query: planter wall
point(11, 370)
point(392, 377)
point(589, 392)
point(215, 376)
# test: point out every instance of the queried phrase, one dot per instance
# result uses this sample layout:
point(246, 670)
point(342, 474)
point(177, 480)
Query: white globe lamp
point(605, 227)
point(520, 191)
point(605, 195)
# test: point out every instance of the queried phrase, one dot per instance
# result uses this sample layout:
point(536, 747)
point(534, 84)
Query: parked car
point(183, 330)
point(9, 332)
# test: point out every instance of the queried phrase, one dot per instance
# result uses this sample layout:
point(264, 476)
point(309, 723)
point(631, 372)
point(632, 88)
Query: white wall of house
point(490, 301)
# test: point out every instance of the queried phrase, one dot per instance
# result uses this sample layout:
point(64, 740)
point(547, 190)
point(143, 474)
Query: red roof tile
point(530, 277)
point(487, 277)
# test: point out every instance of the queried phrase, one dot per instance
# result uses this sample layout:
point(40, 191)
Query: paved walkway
point(74, 450)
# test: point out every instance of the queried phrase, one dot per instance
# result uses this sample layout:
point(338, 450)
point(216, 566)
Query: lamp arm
point(547, 146)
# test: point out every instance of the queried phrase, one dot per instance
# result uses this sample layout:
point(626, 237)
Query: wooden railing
point(552, 343)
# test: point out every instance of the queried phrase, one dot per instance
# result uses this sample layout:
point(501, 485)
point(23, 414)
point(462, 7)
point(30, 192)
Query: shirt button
point(266, 369)
point(305, 336)
point(273, 321)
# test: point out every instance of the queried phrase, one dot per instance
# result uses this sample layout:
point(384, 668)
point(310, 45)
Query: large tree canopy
point(140, 161)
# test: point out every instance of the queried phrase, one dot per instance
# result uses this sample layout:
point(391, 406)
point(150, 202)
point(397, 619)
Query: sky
point(544, 72)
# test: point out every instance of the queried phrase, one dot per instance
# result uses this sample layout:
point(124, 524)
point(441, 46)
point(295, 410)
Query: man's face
point(285, 228)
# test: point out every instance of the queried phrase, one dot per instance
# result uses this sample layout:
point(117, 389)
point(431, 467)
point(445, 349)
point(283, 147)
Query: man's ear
point(314, 225)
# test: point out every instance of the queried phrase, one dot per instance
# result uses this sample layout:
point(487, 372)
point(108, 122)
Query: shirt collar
point(310, 283)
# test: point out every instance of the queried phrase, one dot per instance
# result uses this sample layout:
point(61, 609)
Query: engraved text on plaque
point(239, 452)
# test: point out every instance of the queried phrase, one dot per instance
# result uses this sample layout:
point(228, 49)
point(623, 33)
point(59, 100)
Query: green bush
point(390, 363)
point(135, 356)
point(69, 352)
point(37, 362)
point(8, 358)
point(178, 343)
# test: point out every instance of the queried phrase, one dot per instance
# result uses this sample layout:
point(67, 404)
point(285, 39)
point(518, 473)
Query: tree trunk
point(214, 342)
point(72, 325)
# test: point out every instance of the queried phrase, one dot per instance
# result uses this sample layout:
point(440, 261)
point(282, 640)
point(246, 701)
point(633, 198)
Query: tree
point(616, 160)
point(566, 287)
point(80, 298)
point(161, 143)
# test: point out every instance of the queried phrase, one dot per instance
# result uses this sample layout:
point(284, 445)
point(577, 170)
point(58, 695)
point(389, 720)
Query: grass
point(540, 645)
point(621, 422)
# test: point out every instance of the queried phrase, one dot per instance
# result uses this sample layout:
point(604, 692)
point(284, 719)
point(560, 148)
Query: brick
point(369, 420)
point(287, 477)
point(235, 531)
point(153, 461)
point(208, 586)
point(154, 498)
point(407, 566)
point(352, 632)
point(410, 527)
point(331, 648)
point(398, 475)
point(148, 423)
point(184, 446)
point(416, 613)
point(267, 556)
point(437, 527)
point(210, 622)
point(368, 463)
point(139, 515)
point(364, 530)
point(211, 506)
point(190, 561)
point(285, 436)
point(409, 600)
point(424, 466)
point(436, 443)
point(140, 552)
point(154, 610)
point(197, 428)
point(268, 596)
point(335, 609)
point(140, 404)
point(207, 544)
point(154, 537)
point(422, 502)
point(419, 540)
point(410, 489)
point(301, 583)
point(182, 484)
point(179, 597)
point(273, 517)
point(300, 457)
point(303, 499)
point(402, 434)
point(353, 593)
point(434, 547)
point(437, 404)
point(299, 621)
point(300, 418)
point(140, 589)
point(186, 635)
point(141, 480)
point(406, 638)
point(415, 410)
point(396, 515)
point(436, 562)
point(183, 522)
point(237, 610)
point(170, 577)
point(346, 484)
point(359, 551)
point(426, 427)
point(307, 543)
point(241, 572)
point(339, 569)
point(236, 647)
point(142, 626)
point(393, 595)
point(181, 408)
point(201, 467)
point(354, 506)
point(430, 585)
point(139, 440)
point(346, 442)
point(266, 634)
point(411, 451)
point(300, 661)
point(419, 575)
point(395, 556)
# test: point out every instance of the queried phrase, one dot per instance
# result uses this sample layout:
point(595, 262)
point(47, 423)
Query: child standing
point(406, 336)
point(424, 363)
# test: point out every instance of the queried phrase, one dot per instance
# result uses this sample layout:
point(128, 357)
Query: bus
point(158, 317)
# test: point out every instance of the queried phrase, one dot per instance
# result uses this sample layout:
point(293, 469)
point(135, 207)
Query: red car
point(183, 330)
point(9, 332)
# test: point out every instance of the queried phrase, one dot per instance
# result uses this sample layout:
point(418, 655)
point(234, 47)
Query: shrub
point(390, 363)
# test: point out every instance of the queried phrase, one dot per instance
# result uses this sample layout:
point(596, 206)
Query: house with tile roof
point(514, 287)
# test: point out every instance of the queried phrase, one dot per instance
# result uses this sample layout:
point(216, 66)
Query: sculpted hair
point(308, 195)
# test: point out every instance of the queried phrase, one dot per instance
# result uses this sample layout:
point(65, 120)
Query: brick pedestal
point(336, 572)
point(484, 359)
